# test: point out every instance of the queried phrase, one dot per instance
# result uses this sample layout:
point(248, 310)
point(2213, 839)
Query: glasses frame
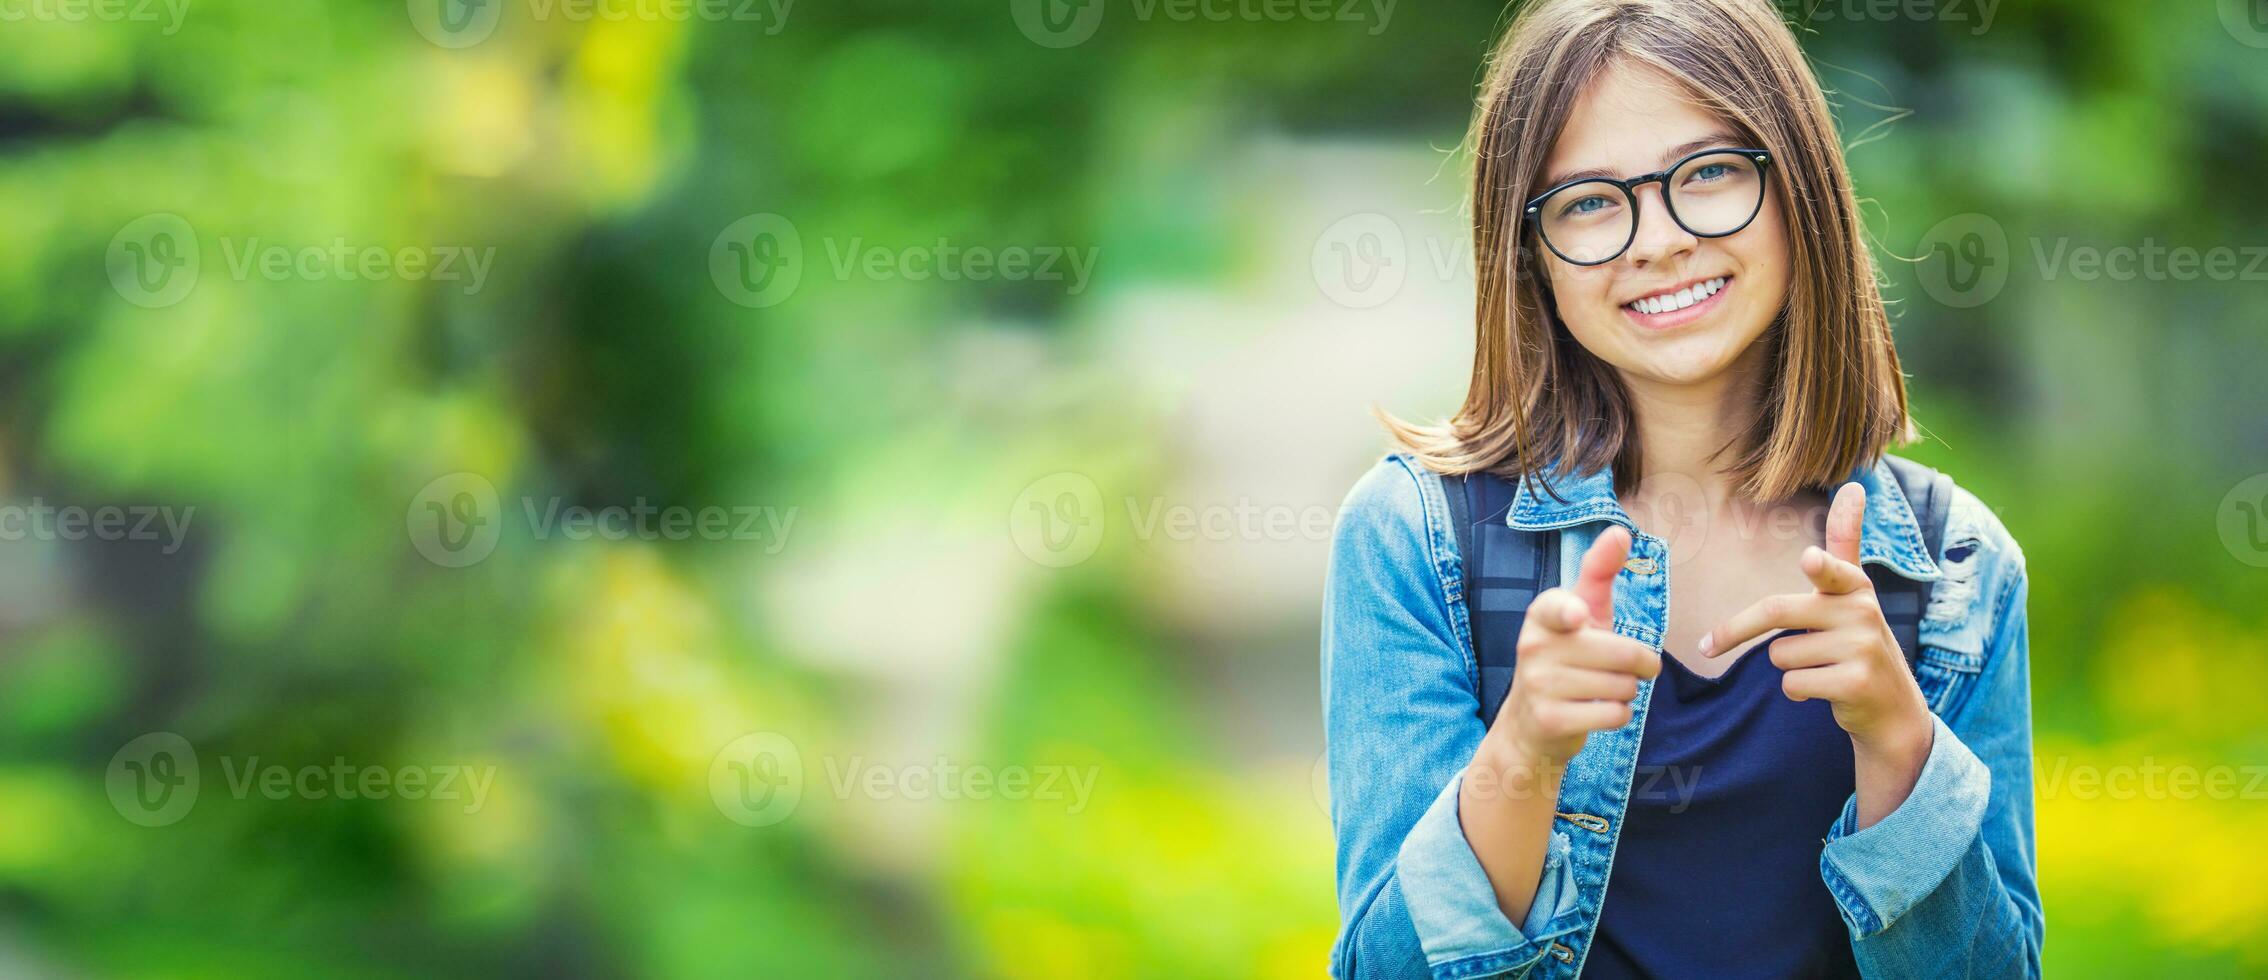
point(1629, 189)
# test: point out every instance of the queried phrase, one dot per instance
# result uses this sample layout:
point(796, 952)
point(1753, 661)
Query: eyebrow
point(1674, 153)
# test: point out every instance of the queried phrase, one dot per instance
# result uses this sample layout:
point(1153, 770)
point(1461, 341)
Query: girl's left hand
point(1850, 658)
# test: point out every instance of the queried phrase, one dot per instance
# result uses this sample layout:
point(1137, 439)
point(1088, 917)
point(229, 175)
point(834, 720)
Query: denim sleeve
point(1400, 712)
point(1946, 885)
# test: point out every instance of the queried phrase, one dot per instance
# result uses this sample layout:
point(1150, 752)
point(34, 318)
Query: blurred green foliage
point(602, 364)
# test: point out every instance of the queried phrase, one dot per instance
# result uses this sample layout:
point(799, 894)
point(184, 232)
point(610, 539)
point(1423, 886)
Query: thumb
point(1594, 582)
point(1846, 518)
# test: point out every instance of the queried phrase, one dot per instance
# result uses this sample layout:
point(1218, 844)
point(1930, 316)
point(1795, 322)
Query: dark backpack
point(1506, 568)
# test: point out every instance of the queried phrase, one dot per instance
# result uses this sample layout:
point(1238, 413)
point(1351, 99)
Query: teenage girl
point(1714, 757)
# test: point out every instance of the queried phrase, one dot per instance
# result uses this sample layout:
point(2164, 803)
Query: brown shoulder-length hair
point(1831, 397)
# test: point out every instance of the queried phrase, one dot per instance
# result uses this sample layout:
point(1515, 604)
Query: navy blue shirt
point(1716, 872)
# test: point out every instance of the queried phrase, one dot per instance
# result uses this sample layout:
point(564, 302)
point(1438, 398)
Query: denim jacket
point(1944, 886)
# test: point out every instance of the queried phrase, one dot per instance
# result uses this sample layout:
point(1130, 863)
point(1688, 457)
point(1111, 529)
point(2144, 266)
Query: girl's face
point(1633, 120)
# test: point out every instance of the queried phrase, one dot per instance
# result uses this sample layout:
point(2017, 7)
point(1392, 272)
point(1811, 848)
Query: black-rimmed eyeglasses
point(1712, 193)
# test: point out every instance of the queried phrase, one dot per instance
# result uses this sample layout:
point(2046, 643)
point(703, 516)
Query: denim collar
point(1890, 535)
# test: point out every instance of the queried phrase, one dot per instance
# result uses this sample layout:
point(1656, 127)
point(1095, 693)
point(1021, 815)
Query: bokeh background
point(1026, 350)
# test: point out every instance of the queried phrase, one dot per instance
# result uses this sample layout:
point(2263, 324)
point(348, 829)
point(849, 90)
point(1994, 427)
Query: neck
point(1681, 427)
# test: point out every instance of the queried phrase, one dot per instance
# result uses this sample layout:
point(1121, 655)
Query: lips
point(1684, 305)
point(1678, 299)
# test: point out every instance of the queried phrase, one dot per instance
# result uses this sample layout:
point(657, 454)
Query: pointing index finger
point(1846, 521)
point(1832, 575)
point(1594, 580)
point(1773, 612)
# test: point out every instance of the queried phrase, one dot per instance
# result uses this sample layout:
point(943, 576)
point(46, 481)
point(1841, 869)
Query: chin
point(1685, 360)
point(1684, 372)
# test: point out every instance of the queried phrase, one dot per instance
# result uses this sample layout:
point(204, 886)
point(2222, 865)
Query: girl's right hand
point(1574, 674)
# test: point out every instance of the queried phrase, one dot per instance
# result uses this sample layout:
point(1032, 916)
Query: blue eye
point(1590, 204)
point(1711, 172)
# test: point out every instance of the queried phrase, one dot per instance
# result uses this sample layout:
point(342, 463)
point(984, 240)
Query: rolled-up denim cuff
point(1453, 906)
point(1879, 873)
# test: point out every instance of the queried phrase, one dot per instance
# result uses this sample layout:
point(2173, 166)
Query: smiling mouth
point(1678, 307)
point(1678, 299)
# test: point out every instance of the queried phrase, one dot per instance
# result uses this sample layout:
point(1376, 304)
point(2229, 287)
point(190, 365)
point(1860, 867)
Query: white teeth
point(1671, 302)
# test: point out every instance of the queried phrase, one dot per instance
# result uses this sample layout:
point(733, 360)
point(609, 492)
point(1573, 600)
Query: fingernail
point(1708, 642)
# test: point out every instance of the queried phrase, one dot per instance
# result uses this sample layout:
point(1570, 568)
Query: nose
point(1659, 235)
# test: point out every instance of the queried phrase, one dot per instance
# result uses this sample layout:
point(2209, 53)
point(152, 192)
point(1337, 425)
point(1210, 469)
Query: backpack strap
point(1505, 568)
point(1930, 493)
